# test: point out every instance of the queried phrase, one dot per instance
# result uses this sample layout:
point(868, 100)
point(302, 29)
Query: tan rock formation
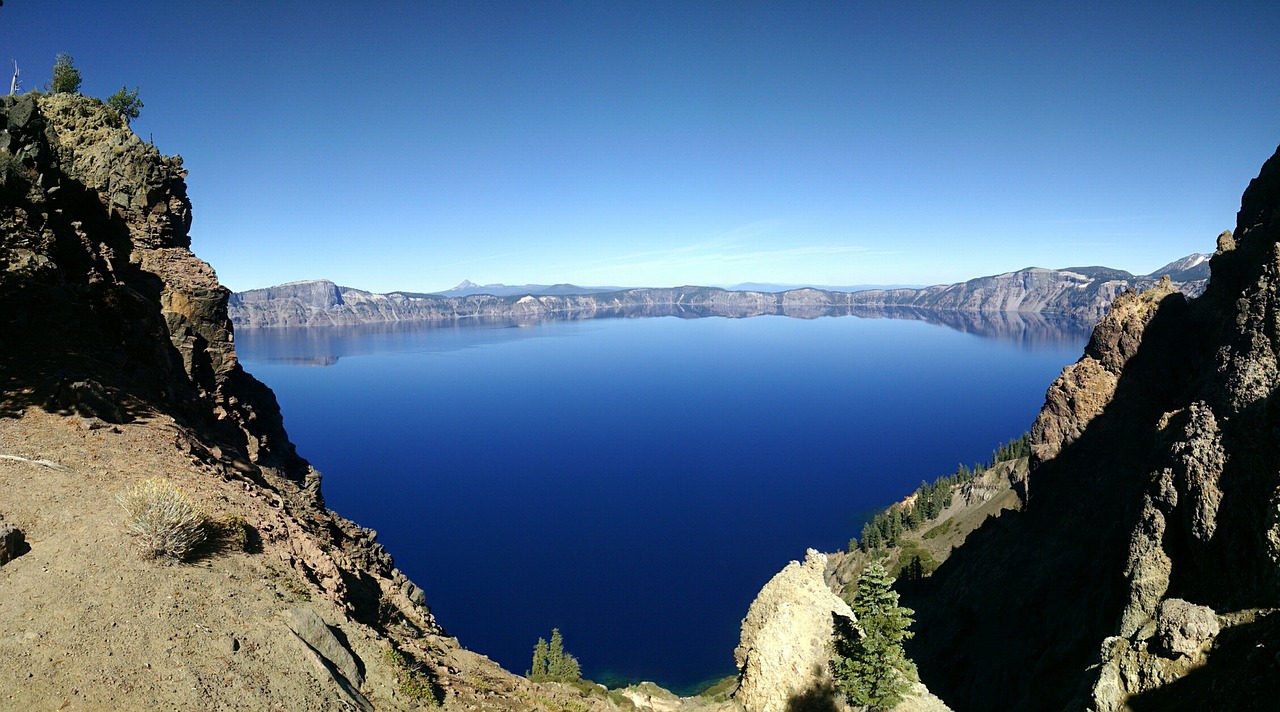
point(786, 639)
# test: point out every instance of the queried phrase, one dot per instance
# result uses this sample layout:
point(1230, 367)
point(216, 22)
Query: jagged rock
point(12, 543)
point(308, 626)
point(1084, 389)
point(784, 653)
point(1182, 628)
point(1153, 512)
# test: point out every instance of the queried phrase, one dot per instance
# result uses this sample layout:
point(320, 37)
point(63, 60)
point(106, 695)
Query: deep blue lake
point(634, 482)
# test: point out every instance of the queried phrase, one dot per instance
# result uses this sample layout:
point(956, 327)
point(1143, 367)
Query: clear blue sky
point(410, 145)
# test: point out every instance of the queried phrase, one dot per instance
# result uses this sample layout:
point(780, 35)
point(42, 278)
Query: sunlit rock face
point(786, 639)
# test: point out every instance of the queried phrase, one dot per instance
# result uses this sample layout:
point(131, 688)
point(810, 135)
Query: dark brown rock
point(1153, 511)
point(12, 543)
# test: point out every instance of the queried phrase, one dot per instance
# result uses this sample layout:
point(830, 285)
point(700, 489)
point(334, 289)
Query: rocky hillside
point(322, 303)
point(1081, 294)
point(1143, 570)
point(118, 366)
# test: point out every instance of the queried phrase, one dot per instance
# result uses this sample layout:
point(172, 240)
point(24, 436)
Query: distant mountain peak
point(465, 284)
point(1193, 266)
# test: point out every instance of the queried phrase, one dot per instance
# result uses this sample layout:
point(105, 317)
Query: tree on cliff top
point(126, 103)
point(871, 668)
point(66, 78)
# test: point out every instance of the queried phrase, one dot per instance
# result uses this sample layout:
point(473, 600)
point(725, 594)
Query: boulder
point(1183, 628)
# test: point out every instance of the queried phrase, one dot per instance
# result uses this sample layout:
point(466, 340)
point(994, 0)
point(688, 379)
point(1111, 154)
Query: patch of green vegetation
point(411, 680)
point(914, 563)
point(230, 532)
point(939, 530)
point(929, 500)
point(718, 690)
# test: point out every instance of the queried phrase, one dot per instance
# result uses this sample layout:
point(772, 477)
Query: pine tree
point(872, 669)
point(539, 671)
point(555, 656)
point(126, 103)
point(66, 78)
point(871, 538)
point(552, 663)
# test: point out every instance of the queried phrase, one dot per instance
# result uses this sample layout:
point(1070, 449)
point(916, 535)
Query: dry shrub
point(165, 522)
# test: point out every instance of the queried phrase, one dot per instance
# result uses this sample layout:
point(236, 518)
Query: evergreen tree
point(126, 103)
point(555, 656)
point(539, 672)
point(871, 539)
point(915, 516)
point(871, 669)
point(552, 663)
point(913, 569)
point(66, 78)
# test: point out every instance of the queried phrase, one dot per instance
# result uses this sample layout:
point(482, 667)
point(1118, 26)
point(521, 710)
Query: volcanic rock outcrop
point(117, 363)
point(1143, 571)
point(786, 639)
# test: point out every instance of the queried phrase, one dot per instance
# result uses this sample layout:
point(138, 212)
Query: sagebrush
point(164, 520)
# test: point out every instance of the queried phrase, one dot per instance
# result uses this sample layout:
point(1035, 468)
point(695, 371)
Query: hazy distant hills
point(468, 288)
point(1082, 293)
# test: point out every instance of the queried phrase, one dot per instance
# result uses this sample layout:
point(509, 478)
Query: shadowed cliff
point(1151, 521)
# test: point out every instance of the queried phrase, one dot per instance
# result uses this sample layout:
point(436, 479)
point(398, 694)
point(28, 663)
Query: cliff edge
point(118, 365)
point(1143, 570)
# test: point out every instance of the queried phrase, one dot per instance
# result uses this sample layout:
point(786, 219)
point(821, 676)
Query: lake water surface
point(634, 482)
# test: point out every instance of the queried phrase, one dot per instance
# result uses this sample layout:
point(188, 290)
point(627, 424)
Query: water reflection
point(325, 345)
point(1030, 330)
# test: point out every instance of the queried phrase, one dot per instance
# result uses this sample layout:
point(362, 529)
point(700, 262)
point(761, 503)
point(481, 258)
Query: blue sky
point(410, 145)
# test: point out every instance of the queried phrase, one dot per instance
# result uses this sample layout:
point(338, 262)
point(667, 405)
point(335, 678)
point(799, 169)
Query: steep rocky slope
point(1081, 292)
point(1143, 571)
point(1082, 295)
point(118, 364)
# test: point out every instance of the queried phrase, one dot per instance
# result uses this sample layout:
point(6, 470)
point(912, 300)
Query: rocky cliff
point(322, 303)
point(1084, 293)
point(1143, 570)
point(118, 364)
point(1080, 295)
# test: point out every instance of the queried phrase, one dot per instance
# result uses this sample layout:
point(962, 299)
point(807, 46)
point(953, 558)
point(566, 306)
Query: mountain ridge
point(1082, 292)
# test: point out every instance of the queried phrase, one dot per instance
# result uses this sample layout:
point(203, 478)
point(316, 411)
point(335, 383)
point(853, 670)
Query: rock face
point(1082, 295)
point(322, 303)
point(1085, 293)
point(94, 268)
point(1143, 571)
point(786, 640)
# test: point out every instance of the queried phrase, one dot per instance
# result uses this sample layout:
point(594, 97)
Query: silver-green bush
point(165, 522)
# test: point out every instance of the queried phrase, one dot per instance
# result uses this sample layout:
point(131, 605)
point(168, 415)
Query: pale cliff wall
point(1032, 291)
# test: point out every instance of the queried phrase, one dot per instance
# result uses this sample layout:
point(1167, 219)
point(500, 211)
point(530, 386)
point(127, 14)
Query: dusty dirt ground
point(87, 623)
